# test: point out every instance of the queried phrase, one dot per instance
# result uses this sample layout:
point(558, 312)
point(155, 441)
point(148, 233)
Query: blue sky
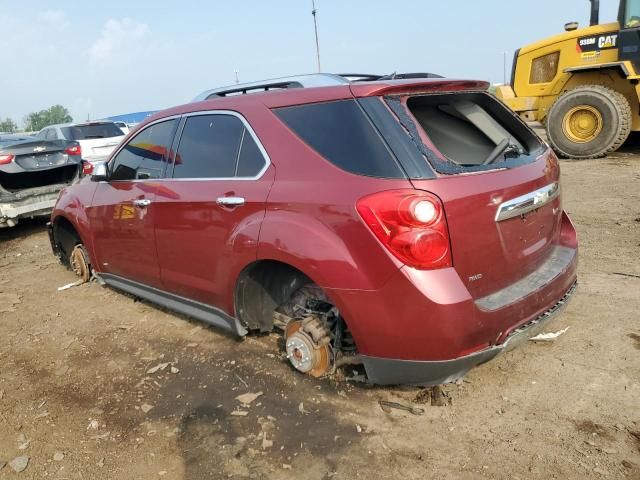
point(111, 57)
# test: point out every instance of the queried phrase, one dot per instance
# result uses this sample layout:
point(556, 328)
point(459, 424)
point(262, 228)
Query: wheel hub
point(307, 346)
point(300, 352)
point(80, 263)
point(582, 124)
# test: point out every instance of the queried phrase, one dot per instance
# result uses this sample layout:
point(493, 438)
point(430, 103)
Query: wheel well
point(66, 237)
point(261, 288)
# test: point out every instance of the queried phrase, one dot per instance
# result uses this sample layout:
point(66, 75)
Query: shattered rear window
point(466, 132)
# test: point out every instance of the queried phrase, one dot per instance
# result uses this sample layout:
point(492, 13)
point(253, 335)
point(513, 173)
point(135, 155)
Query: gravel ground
point(97, 385)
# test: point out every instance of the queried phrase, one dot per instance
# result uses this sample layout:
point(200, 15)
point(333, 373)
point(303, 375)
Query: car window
point(66, 133)
point(208, 147)
point(250, 160)
point(51, 134)
point(91, 131)
point(144, 156)
point(43, 133)
point(341, 133)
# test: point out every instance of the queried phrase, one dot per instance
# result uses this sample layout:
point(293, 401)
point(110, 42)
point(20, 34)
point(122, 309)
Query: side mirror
point(99, 172)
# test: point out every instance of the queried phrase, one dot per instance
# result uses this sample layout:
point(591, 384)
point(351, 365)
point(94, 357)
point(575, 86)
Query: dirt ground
point(79, 394)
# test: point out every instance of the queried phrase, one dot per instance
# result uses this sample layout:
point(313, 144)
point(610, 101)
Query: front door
point(122, 212)
point(208, 218)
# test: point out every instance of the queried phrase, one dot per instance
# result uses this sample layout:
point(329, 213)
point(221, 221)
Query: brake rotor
point(308, 347)
point(80, 263)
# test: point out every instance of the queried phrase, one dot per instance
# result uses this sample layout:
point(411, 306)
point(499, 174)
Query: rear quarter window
point(342, 134)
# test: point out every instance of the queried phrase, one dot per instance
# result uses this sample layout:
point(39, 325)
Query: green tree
point(8, 126)
point(38, 120)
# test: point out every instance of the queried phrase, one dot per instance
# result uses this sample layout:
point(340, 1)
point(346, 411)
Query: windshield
point(92, 130)
point(632, 13)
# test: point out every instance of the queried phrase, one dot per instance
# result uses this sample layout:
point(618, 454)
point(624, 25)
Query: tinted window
point(340, 132)
point(92, 130)
point(144, 156)
point(251, 160)
point(51, 134)
point(208, 147)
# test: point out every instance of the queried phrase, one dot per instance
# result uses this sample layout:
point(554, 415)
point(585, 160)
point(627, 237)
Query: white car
point(123, 126)
point(97, 139)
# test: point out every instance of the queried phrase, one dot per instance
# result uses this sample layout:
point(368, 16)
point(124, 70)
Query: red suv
point(413, 226)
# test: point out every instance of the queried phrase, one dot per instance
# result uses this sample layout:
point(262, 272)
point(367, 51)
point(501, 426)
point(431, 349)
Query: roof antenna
point(315, 26)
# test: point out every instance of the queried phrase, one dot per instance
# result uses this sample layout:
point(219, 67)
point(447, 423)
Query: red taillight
point(4, 159)
point(73, 150)
point(411, 224)
point(87, 168)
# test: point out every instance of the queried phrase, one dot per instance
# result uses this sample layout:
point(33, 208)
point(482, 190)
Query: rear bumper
point(424, 327)
point(385, 371)
point(34, 202)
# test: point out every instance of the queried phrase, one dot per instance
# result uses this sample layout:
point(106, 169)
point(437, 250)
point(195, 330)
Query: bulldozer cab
point(629, 37)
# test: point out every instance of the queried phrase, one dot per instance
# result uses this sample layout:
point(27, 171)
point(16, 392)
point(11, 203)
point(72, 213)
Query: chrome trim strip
point(528, 202)
point(230, 201)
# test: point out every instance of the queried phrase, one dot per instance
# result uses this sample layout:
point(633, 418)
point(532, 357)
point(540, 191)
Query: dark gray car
point(32, 173)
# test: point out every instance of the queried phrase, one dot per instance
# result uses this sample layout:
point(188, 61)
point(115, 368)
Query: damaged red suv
point(413, 226)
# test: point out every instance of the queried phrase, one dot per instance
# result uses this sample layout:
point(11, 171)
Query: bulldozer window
point(632, 14)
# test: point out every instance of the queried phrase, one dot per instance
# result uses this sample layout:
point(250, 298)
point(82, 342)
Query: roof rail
point(304, 81)
point(366, 77)
point(298, 81)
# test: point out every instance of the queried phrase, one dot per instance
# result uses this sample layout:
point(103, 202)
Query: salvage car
point(412, 226)
point(32, 173)
point(97, 139)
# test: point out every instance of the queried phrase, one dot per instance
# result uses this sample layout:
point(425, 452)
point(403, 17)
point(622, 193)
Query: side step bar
point(206, 313)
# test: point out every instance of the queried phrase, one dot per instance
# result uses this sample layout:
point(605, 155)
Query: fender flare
point(79, 221)
point(622, 69)
point(317, 247)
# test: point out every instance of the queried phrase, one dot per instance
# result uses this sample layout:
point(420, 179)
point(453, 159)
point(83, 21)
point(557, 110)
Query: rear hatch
point(34, 163)
point(497, 180)
point(38, 154)
point(98, 139)
point(489, 252)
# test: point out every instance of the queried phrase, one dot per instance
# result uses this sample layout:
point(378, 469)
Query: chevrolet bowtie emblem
point(39, 149)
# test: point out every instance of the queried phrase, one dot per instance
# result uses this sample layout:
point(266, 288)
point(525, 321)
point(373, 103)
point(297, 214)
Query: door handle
point(230, 201)
point(142, 203)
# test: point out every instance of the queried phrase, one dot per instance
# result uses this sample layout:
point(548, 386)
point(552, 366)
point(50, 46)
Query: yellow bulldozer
point(583, 85)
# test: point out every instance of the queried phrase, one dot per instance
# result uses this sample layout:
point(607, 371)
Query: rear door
point(123, 210)
point(208, 220)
